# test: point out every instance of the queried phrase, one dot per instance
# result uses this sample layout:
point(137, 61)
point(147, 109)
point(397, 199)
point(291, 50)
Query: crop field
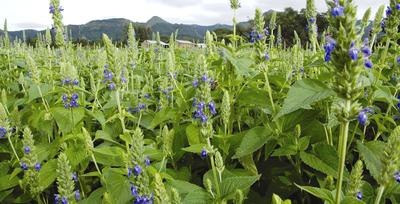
point(244, 119)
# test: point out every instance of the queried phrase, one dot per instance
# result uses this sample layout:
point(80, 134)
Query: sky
point(34, 14)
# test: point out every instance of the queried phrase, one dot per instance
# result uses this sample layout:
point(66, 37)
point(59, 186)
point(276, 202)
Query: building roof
point(155, 42)
point(184, 42)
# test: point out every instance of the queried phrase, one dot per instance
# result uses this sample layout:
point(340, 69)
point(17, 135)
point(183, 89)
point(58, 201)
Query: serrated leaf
point(231, 184)
point(67, 119)
point(371, 153)
point(117, 186)
point(184, 187)
point(324, 194)
point(252, 141)
point(47, 175)
point(194, 148)
point(162, 116)
point(197, 197)
point(248, 163)
point(303, 94)
point(193, 134)
point(317, 164)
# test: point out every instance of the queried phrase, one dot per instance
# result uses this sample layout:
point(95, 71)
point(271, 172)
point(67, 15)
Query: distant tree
point(222, 34)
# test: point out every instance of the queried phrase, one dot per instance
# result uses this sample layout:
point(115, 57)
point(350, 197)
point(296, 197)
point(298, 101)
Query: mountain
point(116, 29)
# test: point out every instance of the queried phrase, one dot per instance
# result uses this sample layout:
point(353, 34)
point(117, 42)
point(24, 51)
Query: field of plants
point(249, 121)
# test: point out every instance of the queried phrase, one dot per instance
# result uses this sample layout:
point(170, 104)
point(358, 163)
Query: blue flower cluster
point(137, 109)
point(398, 60)
point(52, 10)
point(200, 112)
point(329, 47)
point(258, 36)
point(140, 199)
point(24, 166)
point(3, 132)
point(70, 103)
point(353, 53)
point(337, 10)
point(397, 6)
point(108, 77)
point(68, 81)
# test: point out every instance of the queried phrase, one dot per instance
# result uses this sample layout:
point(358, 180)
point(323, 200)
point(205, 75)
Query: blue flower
point(266, 56)
point(24, 166)
point(366, 51)
point(368, 63)
point(203, 118)
point(74, 96)
point(65, 98)
point(194, 102)
point(204, 78)
point(134, 190)
point(266, 32)
point(64, 200)
point(38, 166)
point(77, 195)
point(197, 114)
point(362, 117)
point(260, 36)
point(73, 103)
point(142, 200)
point(252, 34)
point(66, 106)
point(67, 81)
point(201, 105)
point(397, 176)
point(76, 82)
point(203, 153)
point(388, 11)
point(252, 40)
point(75, 177)
point(398, 60)
point(3, 132)
point(52, 9)
point(383, 24)
point(353, 53)
point(195, 83)
point(397, 6)
point(137, 170)
point(123, 80)
point(211, 106)
point(60, 9)
point(329, 47)
point(111, 86)
point(56, 198)
point(129, 172)
point(359, 195)
point(147, 96)
point(27, 149)
point(312, 20)
point(338, 11)
point(147, 161)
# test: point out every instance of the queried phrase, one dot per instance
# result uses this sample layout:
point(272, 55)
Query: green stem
point(342, 146)
point(378, 198)
point(12, 147)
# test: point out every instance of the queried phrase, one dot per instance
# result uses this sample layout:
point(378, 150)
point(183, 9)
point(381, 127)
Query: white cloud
point(23, 14)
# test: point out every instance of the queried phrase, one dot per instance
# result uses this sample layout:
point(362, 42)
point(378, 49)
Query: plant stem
point(378, 198)
point(12, 147)
point(342, 147)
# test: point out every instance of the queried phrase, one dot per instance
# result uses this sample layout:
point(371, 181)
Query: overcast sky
point(34, 14)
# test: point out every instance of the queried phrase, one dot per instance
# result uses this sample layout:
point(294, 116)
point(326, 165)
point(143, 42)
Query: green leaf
point(162, 116)
point(248, 163)
point(324, 194)
point(277, 200)
point(184, 187)
point(117, 186)
point(7, 183)
point(47, 175)
point(94, 197)
point(371, 153)
point(285, 150)
point(231, 184)
point(252, 141)
point(241, 64)
point(67, 119)
point(383, 94)
point(193, 134)
point(197, 197)
point(317, 164)
point(194, 148)
point(34, 93)
point(302, 94)
point(252, 96)
point(111, 156)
